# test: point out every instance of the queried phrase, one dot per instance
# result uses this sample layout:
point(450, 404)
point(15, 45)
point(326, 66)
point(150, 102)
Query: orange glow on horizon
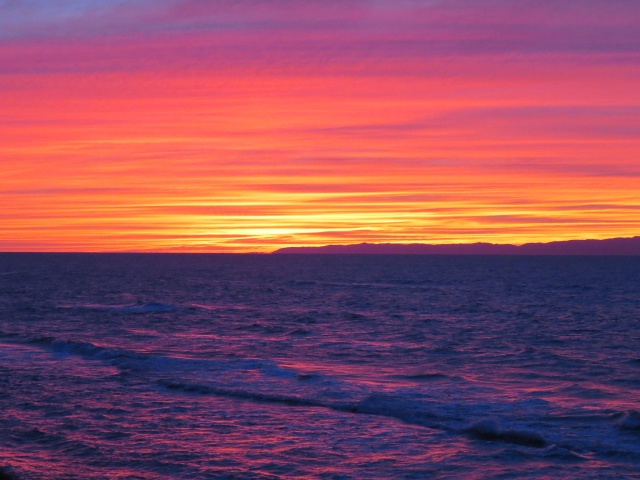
point(185, 142)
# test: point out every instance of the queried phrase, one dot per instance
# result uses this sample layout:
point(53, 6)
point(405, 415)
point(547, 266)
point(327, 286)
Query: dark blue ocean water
point(336, 367)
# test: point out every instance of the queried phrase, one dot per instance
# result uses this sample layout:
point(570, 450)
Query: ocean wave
point(215, 371)
point(562, 453)
point(407, 410)
point(266, 381)
point(491, 430)
point(550, 452)
point(243, 394)
point(144, 308)
point(376, 404)
point(426, 377)
point(7, 473)
point(299, 332)
point(627, 420)
point(83, 349)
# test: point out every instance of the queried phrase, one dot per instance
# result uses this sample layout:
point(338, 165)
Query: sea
point(162, 366)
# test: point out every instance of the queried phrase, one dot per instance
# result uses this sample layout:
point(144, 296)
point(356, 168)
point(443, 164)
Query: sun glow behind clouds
point(244, 126)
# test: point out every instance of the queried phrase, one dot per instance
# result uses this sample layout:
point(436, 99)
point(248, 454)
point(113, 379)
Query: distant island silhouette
point(612, 246)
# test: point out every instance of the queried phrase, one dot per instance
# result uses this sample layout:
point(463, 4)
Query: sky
point(250, 125)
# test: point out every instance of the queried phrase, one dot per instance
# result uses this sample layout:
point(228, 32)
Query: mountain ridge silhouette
point(628, 246)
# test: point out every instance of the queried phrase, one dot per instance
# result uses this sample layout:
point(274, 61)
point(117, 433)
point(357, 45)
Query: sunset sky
point(249, 125)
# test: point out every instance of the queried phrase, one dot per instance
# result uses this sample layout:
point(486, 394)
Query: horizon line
point(184, 251)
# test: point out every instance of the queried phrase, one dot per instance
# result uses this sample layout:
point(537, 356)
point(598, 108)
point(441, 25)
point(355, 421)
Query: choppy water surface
point(223, 366)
